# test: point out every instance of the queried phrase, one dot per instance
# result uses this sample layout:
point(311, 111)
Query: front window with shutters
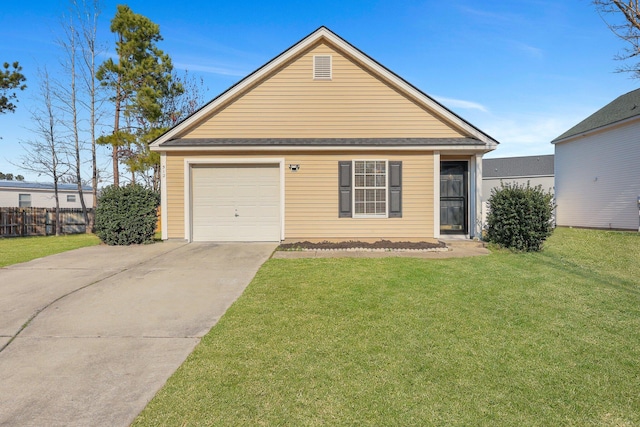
point(370, 188)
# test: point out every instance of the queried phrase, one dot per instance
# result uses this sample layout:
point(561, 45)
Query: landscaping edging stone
point(379, 246)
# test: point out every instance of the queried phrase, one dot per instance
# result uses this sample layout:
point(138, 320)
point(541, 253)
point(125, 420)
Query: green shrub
point(520, 217)
point(127, 215)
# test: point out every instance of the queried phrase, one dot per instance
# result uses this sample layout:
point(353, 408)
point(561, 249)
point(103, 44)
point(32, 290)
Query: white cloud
point(460, 103)
point(531, 51)
point(211, 69)
point(524, 135)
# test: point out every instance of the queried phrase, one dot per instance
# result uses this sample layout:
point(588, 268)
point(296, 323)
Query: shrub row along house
point(322, 143)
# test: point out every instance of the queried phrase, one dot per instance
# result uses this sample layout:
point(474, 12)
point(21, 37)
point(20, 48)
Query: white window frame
point(330, 77)
point(20, 201)
point(355, 188)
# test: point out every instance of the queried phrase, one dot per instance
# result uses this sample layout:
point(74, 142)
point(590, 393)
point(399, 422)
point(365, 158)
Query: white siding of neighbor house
point(488, 184)
point(597, 179)
point(42, 198)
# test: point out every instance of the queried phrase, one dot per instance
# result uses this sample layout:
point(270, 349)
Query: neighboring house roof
point(622, 108)
point(366, 62)
point(512, 167)
point(24, 185)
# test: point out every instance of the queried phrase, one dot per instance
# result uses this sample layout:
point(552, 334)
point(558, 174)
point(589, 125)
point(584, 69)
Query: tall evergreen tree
point(9, 81)
point(138, 82)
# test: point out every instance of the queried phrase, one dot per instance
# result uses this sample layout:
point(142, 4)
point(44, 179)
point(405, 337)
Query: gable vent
point(322, 67)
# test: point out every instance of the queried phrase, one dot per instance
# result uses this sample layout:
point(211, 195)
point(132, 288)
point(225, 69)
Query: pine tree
point(10, 80)
point(138, 82)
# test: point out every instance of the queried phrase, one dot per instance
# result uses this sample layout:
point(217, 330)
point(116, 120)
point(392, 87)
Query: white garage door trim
point(213, 161)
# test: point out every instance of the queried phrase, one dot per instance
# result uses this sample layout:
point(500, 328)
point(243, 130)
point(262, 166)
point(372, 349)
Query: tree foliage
point(623, 19)
point(10, 80)
point(138, 82)
point(10, 177)
point(520, 217)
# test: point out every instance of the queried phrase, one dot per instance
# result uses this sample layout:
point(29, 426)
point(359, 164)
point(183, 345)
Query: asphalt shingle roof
point(622, 108)
point(518, 167)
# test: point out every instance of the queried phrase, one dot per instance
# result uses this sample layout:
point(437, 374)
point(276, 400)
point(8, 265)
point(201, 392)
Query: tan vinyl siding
point(175, 197)
point(311, 197)
point(353, 104)
point(312, 200)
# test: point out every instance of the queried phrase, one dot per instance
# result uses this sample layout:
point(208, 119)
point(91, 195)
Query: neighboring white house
point(535, 170)
point(41, 195)
point(597, 168)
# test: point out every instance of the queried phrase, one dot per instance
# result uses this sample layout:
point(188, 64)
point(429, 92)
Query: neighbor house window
point(24, 200)
point(71, 198)
point(369, 189)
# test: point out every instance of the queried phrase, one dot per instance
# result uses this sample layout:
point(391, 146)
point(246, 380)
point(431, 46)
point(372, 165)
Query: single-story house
point(25, 194)
point(597, 168)
point(321, 143)
point(534, 170)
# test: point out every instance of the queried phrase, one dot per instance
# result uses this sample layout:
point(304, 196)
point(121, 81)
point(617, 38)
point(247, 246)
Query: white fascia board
point(350, 50)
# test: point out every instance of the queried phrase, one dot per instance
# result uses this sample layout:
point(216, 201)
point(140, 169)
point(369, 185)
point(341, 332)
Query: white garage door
point(235, 203)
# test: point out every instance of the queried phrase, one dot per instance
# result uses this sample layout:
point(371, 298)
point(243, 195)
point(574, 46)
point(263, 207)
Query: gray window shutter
point(395, 189)
point(344, 189)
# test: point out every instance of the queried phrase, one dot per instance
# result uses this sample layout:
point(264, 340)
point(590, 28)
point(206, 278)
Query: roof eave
point(595, 130)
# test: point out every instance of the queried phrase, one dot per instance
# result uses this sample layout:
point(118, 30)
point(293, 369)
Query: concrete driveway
point(89, 336)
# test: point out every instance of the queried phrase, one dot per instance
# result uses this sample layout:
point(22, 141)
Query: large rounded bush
point(127, 215)
point(520, 217)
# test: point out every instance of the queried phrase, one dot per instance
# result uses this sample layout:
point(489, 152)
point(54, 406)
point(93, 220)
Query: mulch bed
point(381, 244)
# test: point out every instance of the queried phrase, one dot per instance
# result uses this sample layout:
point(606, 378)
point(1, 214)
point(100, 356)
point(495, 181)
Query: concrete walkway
point(89, 336)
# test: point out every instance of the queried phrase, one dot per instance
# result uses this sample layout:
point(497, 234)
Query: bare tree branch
point(623, 19)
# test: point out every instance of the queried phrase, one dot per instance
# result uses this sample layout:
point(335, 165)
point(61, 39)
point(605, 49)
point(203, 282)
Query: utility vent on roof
point(322, 67)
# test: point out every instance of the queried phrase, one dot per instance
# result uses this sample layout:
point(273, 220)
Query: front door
point(453, 198)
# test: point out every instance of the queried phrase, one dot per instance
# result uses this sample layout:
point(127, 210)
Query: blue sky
point(523, 71)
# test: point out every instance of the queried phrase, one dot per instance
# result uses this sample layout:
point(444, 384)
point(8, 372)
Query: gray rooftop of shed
point(318, 142)
point(511, 167)
point(622, 108)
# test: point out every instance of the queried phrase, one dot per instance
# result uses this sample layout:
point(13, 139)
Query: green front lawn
point(549, 338)
point(23, 249)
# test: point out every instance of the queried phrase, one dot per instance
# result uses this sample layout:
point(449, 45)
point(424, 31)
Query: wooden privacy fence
point(20, 222)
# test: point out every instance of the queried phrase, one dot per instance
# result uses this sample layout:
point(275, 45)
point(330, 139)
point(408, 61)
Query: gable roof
point(511, 167)
point(622, 108)
point(321, 34)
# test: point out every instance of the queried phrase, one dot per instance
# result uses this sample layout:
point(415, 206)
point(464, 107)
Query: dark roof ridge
point(622, 108)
